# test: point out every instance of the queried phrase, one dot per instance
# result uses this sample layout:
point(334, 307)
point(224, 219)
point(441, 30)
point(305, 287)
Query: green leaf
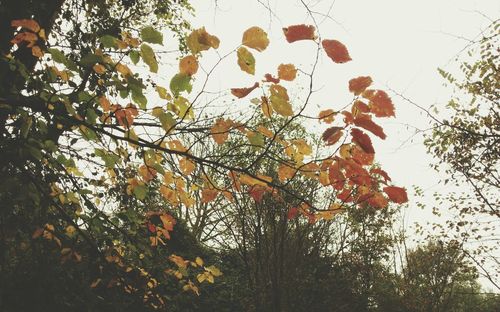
point(90, 59)
point(140, 192)
point(246, 60)
point(139, 98)
point(151, 35)
point(256, 139)
point(58, 56)
point(149, 57)
point(167, 121)
point(108, 41)
point(135, 56)
point(179, 83)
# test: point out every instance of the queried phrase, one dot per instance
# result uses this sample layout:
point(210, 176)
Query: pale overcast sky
point(399, 43)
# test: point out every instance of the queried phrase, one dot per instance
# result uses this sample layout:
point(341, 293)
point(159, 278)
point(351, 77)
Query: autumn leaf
point(359, 84)
point(285, 172)
point(299, 32)
point(188, 65)
point(359, 106)
point(287, 72)
point(292, 213)
point(327, 115)
point(125, 116)
point(381, 173)
point(200, 40)
point(380, 103)
point(255, 38)
point(186, 166)
point(257, 193)
point(149, 57)
point(179, 83)
point(208, 195)
point(396, 194)
point(365, 121)
point(246, 61)
point(99, 69)
point(336, 51)
point(220, 130)
point(363, 140)
point(26, 24)
point(270, 78)
point(29, 38)
point(377, 200)
point(332, 135)
point(279, 100)
point(242, 92)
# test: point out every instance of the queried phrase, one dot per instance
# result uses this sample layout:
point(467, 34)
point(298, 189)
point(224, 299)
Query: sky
point(399, 43)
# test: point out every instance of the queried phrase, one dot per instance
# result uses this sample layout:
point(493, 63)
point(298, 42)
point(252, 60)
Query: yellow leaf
point(199, 261)
point(255, 38)
point(214, 271)
point(246, 61)
point(200, 40)
point(123, 69)
point(279, 100)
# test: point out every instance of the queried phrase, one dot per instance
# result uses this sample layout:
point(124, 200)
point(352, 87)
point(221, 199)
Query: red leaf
point(396, 194)
point(242, 92)
point(336, 177)
point(332, 135)
point(380, 103)
point(257, 193)
point(363, 140)
point(292, 213)
point(349, 118)
point(270, 78)
point(361, 106)
point(336, 51)
point(299, 32)
point(365, 121)
point(381, 173)
point(358, 85)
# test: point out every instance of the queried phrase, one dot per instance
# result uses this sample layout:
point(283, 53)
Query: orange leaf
point(220, 130)
point(363, 140)
point(292, 213)
point(242, 92)
point(336, 51)
point(377, 200)
point(36, 51)
point(287, 72)
point(332, 135)
point(208, 195)
point(188, 65)
point(396, 194)
point(125, 116)
point(285, 172)
point(327, 115)
point(26, 24)
point(299, 32)
point(380, 103)
point(186, 166)
point(358, 85)
point(28, 37)
point(365, 121)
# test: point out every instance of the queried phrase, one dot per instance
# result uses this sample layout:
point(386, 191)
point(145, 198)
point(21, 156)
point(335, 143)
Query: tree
point(466, 145)
point(91, 154)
